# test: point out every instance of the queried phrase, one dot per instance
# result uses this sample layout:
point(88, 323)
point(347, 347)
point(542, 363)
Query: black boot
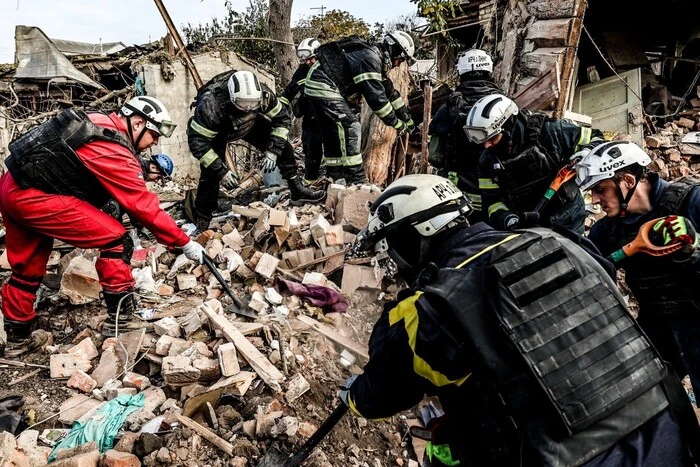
point(18, 337)
point(120, 310)
point(201, 225)
point(303, 194)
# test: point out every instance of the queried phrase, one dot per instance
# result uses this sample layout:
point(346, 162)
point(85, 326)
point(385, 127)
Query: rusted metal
point(427, 109)
point(180, 45)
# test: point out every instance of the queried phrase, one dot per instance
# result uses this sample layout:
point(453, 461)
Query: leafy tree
point(330, 27)
point(249, 24)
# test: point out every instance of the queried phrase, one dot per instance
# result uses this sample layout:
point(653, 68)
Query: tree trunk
point(378, 140)
point(279, 22)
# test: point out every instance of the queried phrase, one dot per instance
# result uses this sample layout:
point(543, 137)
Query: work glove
point(230, 181)
point(345, 389)
point(269, 162)
point(410, 124)
point(675, 229)
point(194, 251)
point(401, 127)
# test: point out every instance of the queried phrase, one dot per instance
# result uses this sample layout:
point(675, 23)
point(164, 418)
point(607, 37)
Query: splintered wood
point(262, 366)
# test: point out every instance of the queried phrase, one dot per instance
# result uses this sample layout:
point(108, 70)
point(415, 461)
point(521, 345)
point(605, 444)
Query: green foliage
point(438, 12)
point(250, 23)
point(330, 27)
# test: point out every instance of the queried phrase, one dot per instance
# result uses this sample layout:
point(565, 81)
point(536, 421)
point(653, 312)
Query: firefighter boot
point(120, 310)
point(303, 194)
point(18, 337)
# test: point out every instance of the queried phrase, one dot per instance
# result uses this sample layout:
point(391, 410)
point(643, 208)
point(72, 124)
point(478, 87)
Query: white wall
point(177, 95)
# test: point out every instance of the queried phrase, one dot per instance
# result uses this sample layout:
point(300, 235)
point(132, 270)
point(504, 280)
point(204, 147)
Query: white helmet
point(474, 60)
point(486, 118)
point(410, 211)
point(307, 48)
point(601, 162)
point(401, 45)
point(245, 90)
point(153, 111)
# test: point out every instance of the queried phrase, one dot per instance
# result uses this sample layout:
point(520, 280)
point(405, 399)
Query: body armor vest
point(526, 174)
point(660, 284)
point(562, 369)
point(45, 158)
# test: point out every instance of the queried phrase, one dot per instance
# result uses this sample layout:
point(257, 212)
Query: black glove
point(511, 221)
point(529, 219)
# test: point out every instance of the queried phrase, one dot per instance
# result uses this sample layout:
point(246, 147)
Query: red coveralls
point(33, 219)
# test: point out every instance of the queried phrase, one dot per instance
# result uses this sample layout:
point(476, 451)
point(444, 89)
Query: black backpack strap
point(533, 129)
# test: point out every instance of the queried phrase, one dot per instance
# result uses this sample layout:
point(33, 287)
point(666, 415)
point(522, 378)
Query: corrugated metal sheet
point(38, 58)
point(84, 48)
point(424, 68)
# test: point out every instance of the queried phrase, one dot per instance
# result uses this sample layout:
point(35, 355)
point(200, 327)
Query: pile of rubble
point(675, 148)
point(201, 374)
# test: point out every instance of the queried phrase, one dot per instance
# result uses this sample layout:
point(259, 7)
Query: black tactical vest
point(661, 284)
point(562, 369)
point(45, 158)
point(335, 65)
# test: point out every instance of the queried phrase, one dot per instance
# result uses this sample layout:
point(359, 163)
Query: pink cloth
point(323, 297)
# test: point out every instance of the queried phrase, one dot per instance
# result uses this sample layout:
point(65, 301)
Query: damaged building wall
point(177, 91)
point(534, 37)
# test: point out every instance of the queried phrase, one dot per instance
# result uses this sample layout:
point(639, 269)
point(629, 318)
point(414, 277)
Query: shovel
point(565, 174)
point(237, 306)
point(275, 458)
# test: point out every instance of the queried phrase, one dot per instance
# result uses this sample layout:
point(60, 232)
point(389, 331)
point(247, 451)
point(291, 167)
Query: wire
point(683, 99)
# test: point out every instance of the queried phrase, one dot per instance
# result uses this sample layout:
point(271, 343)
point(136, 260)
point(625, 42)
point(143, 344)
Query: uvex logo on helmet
point(610, 167)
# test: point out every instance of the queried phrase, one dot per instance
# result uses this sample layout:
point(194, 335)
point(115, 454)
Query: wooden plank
point(335, 336)
point(236, 385)
point(206, 434)
point(541, 92)
point(178, 309)
point(262, 366)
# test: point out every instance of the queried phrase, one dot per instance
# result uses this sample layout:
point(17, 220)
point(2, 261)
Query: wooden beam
point(335, 336)
point(541, 92)
point(205, 433)
point(569, 61)
point(427, 108)
point(262, 366)
point(180, 45)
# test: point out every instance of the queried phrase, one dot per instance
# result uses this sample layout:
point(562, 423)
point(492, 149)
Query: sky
point(138, 21)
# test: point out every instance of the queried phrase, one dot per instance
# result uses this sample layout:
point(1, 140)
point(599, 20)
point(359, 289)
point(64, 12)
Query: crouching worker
point(522, 336)
point(60, 174)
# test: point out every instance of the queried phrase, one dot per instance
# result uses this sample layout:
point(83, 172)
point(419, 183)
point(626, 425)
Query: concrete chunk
point(167, 327)
point(267, 265)
point(64, 365)
point(228, 360)
point(85, 349)
point(80, 283)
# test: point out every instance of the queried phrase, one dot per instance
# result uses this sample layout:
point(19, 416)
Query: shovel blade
point(273, 458)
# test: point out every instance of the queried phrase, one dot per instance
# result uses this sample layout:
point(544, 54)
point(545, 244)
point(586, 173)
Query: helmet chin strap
point(406, 269)
point(131, 133)
point(624, 200)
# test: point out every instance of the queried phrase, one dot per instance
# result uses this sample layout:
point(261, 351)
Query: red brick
point(113, 458)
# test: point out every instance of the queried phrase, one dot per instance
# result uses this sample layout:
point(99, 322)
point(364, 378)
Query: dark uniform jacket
point(560, 140)
point(217, 121)
point(363, 70)
point(450, 149)
point(418, 348)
